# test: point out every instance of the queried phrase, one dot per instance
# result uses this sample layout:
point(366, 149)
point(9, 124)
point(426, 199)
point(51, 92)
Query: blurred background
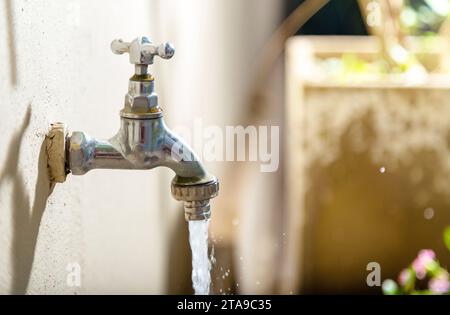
point(359, 90)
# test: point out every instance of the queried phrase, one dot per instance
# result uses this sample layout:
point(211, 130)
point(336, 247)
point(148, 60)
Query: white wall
point(56, 66)
point(64, 71)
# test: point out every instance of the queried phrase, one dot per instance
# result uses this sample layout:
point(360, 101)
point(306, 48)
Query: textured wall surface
point(121, 227)
point(56, 66)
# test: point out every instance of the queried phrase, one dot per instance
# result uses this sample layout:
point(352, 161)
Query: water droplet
point(291, 292)
point(382, 170)
point(241, 258)
point(235, 222)
point(258, 283)
point(428, 213)
point(284, 233)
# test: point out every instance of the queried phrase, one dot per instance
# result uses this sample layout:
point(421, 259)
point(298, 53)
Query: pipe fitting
point(197, 210)
point(56, 153)
point(195, 198)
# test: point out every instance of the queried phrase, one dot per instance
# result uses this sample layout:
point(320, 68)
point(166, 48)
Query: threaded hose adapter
point(196, 198)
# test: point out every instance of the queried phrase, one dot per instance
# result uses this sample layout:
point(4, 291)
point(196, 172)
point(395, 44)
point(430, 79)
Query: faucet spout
point(145, 144)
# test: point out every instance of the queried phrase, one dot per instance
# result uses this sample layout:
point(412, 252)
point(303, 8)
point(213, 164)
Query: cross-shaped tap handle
point(142, 50)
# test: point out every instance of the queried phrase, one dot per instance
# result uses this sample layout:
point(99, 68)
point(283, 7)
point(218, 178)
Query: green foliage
point(447, 237)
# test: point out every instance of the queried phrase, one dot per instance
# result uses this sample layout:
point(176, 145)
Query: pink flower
point(419, 264)
point(440, 283)
point(404, 277)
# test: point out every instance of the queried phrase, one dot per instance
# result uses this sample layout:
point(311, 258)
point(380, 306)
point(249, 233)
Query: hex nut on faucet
point(81, 151)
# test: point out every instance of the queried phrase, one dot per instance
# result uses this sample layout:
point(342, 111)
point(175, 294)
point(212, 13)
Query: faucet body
point(139, 144)
point(144, 141)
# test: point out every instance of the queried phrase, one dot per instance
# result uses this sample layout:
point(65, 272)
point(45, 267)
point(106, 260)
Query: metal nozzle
point(197, 210)
point(196, 198)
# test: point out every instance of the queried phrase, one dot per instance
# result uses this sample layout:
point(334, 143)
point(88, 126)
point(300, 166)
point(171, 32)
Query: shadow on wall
point(11, 42)
point(25, 220)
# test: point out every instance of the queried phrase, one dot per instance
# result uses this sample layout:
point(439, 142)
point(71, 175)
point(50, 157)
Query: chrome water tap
point(143, 140)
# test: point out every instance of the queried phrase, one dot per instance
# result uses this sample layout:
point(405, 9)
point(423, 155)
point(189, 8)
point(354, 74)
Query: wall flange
point(55, 148)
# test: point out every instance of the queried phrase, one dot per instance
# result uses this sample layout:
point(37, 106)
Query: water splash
point(201, 265)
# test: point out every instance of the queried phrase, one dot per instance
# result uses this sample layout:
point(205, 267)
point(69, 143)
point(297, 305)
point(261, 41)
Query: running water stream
point(201, 265)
